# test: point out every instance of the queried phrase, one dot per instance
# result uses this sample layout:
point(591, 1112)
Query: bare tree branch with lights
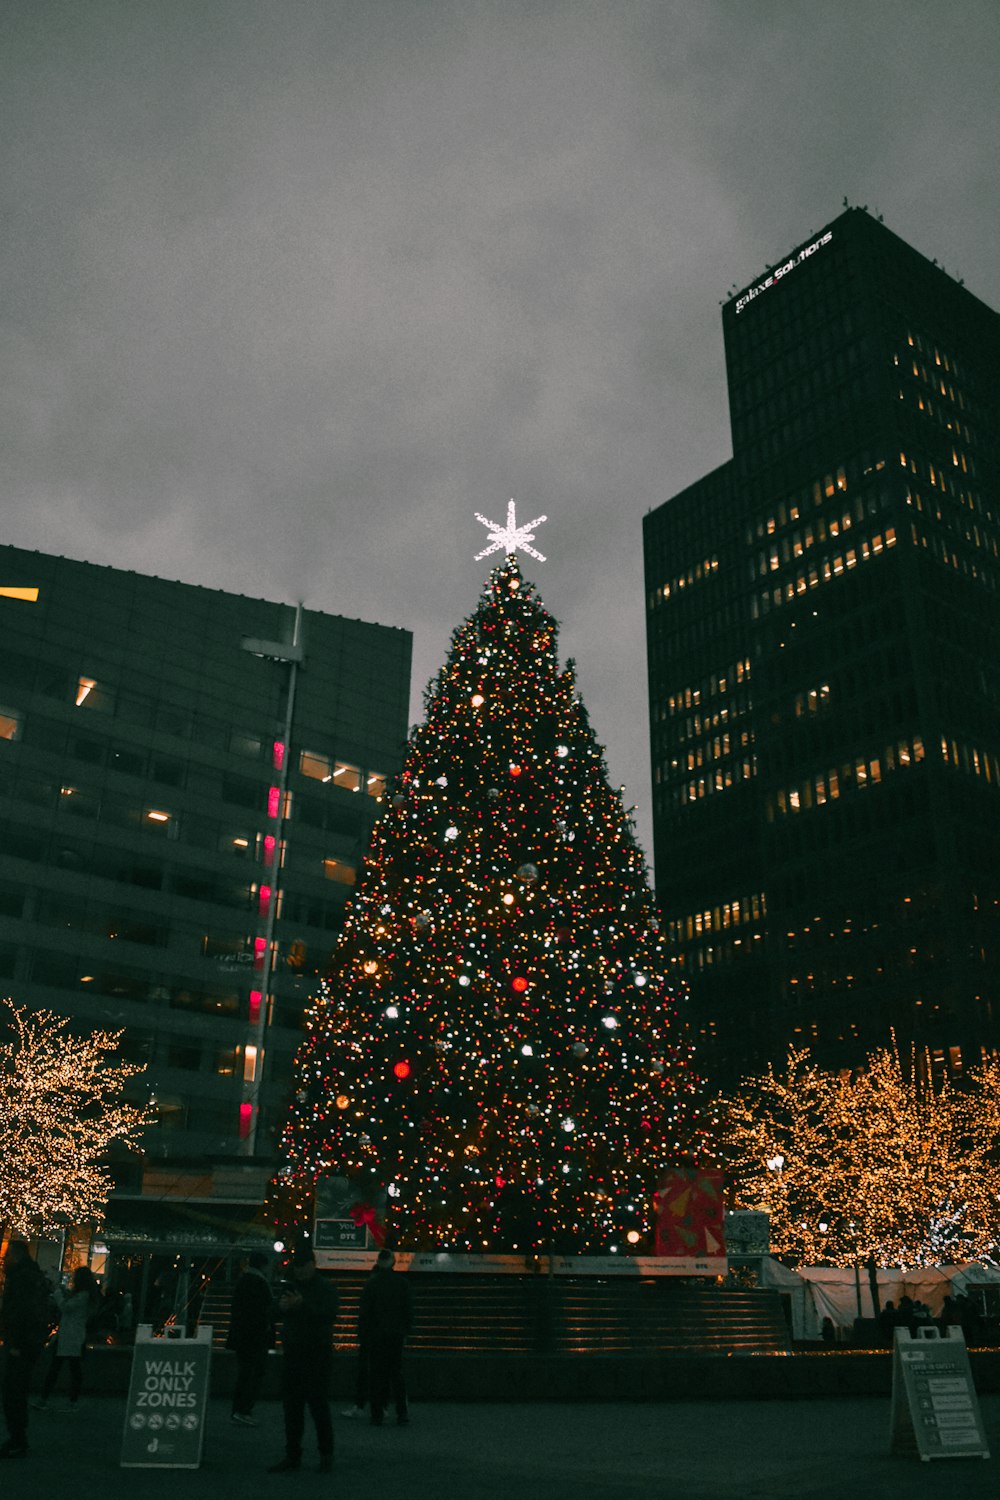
point(881, 1165)
point(61, 1110)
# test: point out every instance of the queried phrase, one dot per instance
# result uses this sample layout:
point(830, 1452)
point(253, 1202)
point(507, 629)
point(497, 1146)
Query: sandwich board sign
point(935, 1410)
point(168, 1392)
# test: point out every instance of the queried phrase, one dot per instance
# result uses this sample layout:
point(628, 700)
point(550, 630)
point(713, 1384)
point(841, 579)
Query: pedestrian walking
point(251, 1333)
point(384, 1321)
point(24, 1326)
point(308, 1307)
point(78, 1308)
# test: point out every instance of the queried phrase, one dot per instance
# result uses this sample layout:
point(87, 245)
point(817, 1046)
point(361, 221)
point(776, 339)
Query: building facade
point(823, 630)
point(188, 780)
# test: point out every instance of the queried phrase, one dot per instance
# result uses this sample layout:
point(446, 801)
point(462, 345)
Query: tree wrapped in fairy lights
point(499, 1046)
point(62, 1109)
point(882, 1164)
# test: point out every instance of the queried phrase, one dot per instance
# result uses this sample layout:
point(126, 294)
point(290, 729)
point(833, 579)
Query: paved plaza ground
point(756, 1450)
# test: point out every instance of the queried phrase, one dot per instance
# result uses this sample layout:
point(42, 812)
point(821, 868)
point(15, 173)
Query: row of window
point(935, 381)
point(342, 773)
point(948, 423)
point(822, 572)
point(694, 574)
point(225, 998)
point(133, 761)
point(735, 913)
point(925, 345)
point(838, 406)
point(851, 775)
point(22, 674)
point(796, 355)
point(108, 812)
point(715, 685)
point(811, 384)
point(976, 537)
point(729, 951)
point(973, 761)
point(814, 494)
point(816, 533)
point(717, 749)
point(693, 726)
point(698, 787)
point(939, 549)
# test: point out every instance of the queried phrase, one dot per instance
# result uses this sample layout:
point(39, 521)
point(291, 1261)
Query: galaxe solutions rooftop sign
point(779, 271)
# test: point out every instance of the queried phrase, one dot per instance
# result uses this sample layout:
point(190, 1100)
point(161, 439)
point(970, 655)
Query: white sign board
point(935, 1410)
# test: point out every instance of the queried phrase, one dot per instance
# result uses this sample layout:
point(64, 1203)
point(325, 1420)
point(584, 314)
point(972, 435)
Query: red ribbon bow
point(364, 1213)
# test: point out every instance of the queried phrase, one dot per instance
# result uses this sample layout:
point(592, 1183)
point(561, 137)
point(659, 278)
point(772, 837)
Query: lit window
point(95, 695)
point(319, 767)
point(339, 869)
point(10, 724)
point(346, 775)
point(249, 1064)
point(375, 784)
point(156, 820)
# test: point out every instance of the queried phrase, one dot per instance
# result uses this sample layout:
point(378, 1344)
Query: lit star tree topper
point(500, 1047)
point(512, 538)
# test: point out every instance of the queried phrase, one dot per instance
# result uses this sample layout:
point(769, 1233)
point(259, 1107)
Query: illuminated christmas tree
point(499, 1045)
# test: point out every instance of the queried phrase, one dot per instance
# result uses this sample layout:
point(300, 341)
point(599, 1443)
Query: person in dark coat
point(24, 1326)
point(251, 1326)
point(384, 1321)
point(308, 1308)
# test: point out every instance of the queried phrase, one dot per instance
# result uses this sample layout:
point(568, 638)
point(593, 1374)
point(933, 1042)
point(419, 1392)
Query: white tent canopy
point(819, 1292)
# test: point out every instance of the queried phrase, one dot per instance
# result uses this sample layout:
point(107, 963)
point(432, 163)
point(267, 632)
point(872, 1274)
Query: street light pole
point(292, 655)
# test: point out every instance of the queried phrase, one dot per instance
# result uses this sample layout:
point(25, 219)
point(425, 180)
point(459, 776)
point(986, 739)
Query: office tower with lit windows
point(188, 780)
point(823, 631)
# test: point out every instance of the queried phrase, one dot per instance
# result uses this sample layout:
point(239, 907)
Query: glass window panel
point(346, 775)
point(319, 767)
point(10, 724)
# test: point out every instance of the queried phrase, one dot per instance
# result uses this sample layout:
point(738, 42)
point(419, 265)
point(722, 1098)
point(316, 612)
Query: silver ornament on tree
point(528, 873)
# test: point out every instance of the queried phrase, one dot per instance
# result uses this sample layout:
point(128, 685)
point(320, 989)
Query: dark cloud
point(290, 291)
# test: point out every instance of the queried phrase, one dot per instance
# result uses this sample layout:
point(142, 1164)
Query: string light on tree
point(502, 899)
point(62, 1106)
point(884, 1163)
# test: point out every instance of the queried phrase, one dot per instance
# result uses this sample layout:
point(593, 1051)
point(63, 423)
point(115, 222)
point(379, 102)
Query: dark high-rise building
point(823, 623)
point(188, 780)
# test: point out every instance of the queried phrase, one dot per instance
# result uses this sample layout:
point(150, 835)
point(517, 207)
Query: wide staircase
point(480, 1314)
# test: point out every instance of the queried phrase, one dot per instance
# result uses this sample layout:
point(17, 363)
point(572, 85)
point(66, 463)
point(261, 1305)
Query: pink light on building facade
point(273, 801)
point(269, 847)
point(278, 750)
point(254, 1008)
point(265, 897)
point(246, 1116)
point(259, 949)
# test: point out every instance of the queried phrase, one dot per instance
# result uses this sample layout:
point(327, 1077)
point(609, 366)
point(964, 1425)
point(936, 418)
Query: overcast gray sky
point(292, 289)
